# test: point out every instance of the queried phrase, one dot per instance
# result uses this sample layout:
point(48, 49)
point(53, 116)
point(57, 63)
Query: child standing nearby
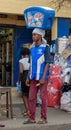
point(23, 71)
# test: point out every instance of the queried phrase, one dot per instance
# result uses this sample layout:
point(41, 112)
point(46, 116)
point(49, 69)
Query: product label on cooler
point(34, 19)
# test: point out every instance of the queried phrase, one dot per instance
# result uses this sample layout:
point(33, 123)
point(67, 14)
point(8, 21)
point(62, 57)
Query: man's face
point(36, 37)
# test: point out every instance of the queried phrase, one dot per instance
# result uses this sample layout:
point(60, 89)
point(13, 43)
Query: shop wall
point(54, 29)
point(63, 27)
point(18, 6)
point(21, 36)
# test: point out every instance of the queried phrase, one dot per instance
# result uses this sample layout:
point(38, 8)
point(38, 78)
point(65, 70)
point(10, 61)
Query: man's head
point(38, 34)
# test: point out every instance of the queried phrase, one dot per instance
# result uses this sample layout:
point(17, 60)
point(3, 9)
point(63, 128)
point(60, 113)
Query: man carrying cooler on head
point(38, 73)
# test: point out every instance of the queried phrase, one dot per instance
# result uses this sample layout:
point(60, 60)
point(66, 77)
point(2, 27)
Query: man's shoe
point(29, 121)
point(42, 121)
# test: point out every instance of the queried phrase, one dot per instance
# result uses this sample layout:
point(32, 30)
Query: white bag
point(66, 98)
point(66, 101)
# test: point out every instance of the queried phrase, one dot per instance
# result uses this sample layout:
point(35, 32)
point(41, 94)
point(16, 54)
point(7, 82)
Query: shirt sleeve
point(47, 54)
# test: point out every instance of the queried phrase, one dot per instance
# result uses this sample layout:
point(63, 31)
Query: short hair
point(25, 51)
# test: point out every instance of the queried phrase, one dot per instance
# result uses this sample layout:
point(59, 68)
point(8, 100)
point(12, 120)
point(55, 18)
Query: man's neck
point(38, 43)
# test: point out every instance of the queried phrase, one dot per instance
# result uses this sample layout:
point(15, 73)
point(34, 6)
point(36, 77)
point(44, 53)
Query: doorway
point(6, 56)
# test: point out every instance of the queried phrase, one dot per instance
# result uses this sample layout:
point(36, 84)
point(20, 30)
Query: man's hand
point(41, 81)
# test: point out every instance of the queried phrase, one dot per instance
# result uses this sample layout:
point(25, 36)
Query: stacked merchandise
point(66, 54)
point(66, 88)
point(63, 58)
point(61, 44)
point(60, 71)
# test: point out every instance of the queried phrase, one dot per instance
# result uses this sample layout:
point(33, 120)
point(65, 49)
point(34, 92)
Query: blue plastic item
point(19, 87)
point(39, 16)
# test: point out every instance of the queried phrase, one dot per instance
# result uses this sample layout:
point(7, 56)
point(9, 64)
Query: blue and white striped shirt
point(39, 56)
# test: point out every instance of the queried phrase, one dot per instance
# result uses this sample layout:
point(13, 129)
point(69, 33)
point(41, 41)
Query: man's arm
point(45, 71)
point(47, 61)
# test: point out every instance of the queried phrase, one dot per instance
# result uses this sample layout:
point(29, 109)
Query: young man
point(38, 74)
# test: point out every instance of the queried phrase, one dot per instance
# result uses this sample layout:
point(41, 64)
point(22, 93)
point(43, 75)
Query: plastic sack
point(66, 98)
point(61, 44)
point(65, 87)
point(68, 60)
point(66, 101)
point(66, 107)
point(66, 74)
point(54, 92)
point(59, 60)
point(19, 87)
point(55, 70)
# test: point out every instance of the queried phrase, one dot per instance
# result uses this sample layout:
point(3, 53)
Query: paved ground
point(57, 119)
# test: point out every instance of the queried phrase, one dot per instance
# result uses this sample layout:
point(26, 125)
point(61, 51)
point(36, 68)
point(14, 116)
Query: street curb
point(40, 127)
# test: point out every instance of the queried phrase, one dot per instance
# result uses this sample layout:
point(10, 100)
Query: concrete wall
point(12, 21)
point(18, 6)
point(54, 30)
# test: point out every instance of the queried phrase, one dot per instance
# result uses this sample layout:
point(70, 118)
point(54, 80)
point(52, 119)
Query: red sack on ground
point(54, 91)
